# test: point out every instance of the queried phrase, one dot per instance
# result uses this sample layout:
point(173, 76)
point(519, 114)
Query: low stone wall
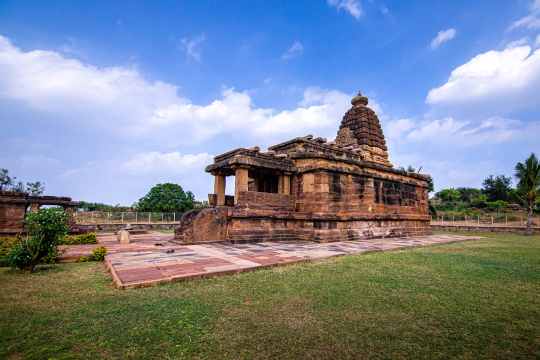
point(115, 227)
point(484, 228)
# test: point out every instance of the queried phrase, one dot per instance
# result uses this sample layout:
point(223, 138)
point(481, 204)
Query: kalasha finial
point(359, 100)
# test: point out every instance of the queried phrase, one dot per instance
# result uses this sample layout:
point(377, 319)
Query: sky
point(101, 100)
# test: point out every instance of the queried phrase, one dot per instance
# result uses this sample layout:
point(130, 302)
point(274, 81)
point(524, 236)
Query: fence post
point(506, 220)
point(149, 217)
point(174, 216)
point(453, 219)
point(136, 217)
point(491, 220)
point(478, 219)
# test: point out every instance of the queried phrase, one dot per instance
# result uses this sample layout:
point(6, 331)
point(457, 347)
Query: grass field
point(470, 300)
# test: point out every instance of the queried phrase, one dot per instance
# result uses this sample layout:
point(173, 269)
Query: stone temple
point(310, 189)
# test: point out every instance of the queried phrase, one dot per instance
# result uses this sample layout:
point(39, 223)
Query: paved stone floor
point(153, 258)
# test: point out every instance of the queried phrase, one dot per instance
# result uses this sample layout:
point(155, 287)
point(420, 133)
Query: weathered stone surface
point(311, 189)
point(123, 237)
point(14, 206)
point(203, 225)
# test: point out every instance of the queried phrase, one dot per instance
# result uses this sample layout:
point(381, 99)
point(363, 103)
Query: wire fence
point(100, 217)
point(500, 220)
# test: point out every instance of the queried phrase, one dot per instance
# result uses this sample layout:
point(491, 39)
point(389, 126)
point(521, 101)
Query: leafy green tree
point(5, 179)
point(497, 205)
point(166, 198)
point(449, 195)
point(497, 187)
point(35, 188)
point(528, 188)
point(92, 206)
point(45, 229)
point(18, 186)
point(468, 194)
point(479, 201)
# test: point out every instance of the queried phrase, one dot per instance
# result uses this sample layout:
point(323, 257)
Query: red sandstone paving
point(154, 258)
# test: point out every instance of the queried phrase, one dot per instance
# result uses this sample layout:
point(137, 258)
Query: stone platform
point(153, 258)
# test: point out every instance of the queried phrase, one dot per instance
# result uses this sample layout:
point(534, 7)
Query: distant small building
point(14, 206)
point(311, 189)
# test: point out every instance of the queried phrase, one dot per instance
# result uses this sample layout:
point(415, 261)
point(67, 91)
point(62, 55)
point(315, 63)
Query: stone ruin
point(311, 189)
point(14, 206)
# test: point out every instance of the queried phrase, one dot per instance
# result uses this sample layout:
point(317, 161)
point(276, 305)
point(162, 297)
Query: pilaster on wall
point(241, 181)
point(369, 193)
point(284, 184)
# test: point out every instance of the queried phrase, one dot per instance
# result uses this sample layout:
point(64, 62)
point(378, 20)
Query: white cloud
point(506, 80)
point(295, 50)
point(166, 163)
point(442, 37)
point(519, 42)
point(394, 129)
point(442, 132)
point(353, 7)
point(192, 46)
point(121, 101)
point(530, 21)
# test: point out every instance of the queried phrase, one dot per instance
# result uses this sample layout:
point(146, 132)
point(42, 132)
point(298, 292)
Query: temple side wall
point(345, 194)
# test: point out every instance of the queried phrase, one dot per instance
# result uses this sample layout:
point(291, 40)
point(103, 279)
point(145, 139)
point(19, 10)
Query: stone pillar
point(241, 182)
point(219, 189)
point(284, 184)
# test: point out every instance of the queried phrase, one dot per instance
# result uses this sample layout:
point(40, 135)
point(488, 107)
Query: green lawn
point(467, 300)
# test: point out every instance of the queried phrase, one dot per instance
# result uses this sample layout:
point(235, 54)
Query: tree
point(497, 187)
point(497, 205)
point(5, 179)
point(528, 188)
point(166, 198)
point(480, 201)
point(18, 187)
point(449, 195)
point(468, 194)
point(45, 229)
point(35, 188)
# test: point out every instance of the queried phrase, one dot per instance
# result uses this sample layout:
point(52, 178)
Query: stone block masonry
point(314, 190)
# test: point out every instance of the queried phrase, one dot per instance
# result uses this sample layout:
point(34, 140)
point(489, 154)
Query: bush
point(81, 239)
point(6, 245)
point(99, 253)
point(45, 229)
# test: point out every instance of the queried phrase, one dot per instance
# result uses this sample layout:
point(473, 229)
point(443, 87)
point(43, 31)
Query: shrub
point(84, 259)
point(45, 228)
point(99, 253)
point(81, 239)
point(6, 245)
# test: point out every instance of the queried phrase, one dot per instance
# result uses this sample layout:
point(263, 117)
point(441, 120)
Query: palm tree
point(528, 174)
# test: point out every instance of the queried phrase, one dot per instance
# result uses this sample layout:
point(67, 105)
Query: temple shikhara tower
point(310, 189)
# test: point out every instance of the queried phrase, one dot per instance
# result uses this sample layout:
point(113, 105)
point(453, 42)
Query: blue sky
point(102, 100)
